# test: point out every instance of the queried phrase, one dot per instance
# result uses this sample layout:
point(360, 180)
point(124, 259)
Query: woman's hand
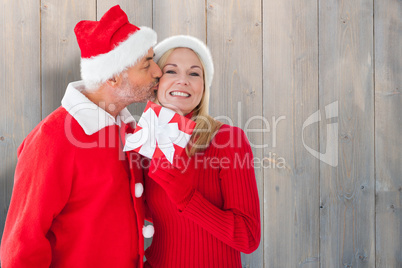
point(177, 183)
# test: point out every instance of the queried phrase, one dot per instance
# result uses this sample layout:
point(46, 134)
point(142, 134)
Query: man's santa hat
point(111, 45)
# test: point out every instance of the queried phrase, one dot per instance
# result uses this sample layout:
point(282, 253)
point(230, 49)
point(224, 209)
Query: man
point(76, 201)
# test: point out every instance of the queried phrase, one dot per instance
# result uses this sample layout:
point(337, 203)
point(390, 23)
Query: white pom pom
point(148, 231)
point(139, 189)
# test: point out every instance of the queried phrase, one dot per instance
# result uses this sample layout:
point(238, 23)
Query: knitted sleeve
point(42, 184)
point(238, 223)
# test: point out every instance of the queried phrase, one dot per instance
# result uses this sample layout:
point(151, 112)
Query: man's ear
point(114, 81)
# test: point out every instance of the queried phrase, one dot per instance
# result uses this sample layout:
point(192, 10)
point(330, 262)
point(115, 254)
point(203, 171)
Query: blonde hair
point(206, 127)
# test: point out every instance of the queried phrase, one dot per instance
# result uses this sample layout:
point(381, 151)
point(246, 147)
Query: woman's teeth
point(179, 94)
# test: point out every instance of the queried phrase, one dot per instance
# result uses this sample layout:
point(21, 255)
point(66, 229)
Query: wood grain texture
point(19, 87)
point(388, 129)
point(139, 13)
point(60, 51)
point(234, 36)
point(291, 183)
point(179, 17)
point(347, 229)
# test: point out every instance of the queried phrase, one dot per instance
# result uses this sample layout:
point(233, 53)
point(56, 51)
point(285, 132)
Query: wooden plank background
point(388, 123)
point(346, 76)
point(20, 82)
point(291, 192)
point(277, 63)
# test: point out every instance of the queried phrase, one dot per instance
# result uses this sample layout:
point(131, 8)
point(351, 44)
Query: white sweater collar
point(90, 116)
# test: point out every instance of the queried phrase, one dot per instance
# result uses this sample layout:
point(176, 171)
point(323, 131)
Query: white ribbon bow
point(157, 131)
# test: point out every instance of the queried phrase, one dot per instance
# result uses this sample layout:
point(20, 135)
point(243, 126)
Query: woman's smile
point(179, 94)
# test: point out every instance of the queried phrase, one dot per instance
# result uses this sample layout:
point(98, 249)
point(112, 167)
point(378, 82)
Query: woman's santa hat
point(111, 45)
point(192, 43)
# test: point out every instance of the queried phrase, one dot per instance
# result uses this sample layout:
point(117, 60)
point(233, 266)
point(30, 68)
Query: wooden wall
point(277, 63)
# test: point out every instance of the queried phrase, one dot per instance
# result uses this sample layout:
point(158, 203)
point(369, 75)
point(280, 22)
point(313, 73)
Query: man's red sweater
point(73, 202)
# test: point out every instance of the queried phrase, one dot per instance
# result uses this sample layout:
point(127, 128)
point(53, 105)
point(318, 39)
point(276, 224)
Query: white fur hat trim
point(100, 68)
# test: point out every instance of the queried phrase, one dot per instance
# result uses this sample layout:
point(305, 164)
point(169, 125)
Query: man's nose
point(182, 79)
point(157, 72)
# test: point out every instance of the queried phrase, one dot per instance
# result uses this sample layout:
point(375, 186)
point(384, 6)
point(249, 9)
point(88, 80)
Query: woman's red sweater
point(222, 218)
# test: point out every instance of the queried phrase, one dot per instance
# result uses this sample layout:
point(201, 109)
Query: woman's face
point(182, 83)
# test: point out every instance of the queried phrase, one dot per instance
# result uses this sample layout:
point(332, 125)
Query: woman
point(207, 211)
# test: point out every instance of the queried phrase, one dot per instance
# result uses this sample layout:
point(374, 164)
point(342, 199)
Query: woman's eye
point(194, 74)
point(170, 72)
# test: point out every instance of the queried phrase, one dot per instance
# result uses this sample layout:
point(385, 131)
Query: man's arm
point(42, 184)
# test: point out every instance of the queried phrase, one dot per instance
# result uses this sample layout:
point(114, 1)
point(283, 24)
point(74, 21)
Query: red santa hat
point(111, 45)
point(192, 43)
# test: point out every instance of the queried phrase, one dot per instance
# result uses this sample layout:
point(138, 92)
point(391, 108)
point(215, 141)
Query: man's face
point(138, 82)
